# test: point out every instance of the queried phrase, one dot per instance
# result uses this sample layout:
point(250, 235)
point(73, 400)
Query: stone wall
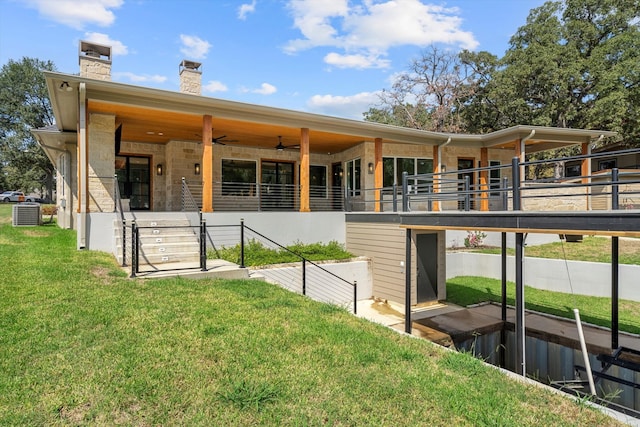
point(101, 132)
point(95, 68)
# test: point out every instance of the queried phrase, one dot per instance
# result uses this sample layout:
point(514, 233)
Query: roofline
point(115, 92)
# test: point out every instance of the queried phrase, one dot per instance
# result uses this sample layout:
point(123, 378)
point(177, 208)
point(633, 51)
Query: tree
point(24, 105)
point(429, 96)
point(574, 63)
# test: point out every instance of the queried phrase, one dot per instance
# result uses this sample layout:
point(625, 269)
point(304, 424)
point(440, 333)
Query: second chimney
point(190, 77)
point(95, 60)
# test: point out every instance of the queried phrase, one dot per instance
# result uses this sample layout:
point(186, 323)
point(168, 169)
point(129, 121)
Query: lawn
point(595, 310)
point(592, 248)
point(80, 344)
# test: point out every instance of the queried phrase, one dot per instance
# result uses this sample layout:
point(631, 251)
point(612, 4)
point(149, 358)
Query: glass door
point(278, 191)
point(134, 181)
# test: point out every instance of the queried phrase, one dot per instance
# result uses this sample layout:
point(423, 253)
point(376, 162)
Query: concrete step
point(215, 269)
point(169, 247)
point(147, 258)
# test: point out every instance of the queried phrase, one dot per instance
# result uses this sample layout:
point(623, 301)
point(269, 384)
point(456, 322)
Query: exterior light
point(370, 168)
point(159, 169)
point(196, 169)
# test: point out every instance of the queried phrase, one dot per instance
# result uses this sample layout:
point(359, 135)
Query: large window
point(393, 167)
point(353, 177)
point(494, 176)
point(238, 177)
point(318, 181)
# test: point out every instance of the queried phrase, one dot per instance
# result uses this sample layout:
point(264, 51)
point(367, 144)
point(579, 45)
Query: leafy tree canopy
point(574, 63)
point(24, 105)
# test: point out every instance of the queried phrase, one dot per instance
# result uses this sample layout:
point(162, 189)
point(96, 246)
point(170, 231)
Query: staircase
point(169, 246)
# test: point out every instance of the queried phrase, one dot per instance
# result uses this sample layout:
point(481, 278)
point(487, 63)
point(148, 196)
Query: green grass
point(596, 310)
point(80, 344)
point(256, 254)
point(594, 249)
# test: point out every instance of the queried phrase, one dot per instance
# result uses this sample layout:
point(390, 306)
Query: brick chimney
point(190, 77)
point(95, 60)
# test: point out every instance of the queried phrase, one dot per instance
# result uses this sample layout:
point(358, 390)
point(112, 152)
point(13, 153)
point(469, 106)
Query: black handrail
point(304, 260)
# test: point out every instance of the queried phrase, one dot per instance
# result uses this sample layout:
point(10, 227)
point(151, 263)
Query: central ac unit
point(25, 214)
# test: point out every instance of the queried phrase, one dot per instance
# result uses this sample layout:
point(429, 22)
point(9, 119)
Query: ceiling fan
point(281, 146)
point(218, 140)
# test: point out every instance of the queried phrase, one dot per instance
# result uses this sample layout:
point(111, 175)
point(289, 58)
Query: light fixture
point(443, 168)
point(196, 169)
point(370, 168)
point(65, 87)
point(159, 169)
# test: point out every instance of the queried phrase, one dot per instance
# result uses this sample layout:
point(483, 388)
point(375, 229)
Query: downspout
point(447, 142)
point(523, 153)
point(589, 148)
point(82, 166)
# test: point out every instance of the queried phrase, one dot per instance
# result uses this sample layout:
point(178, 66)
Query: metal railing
point(304, 276)
point(455, 190)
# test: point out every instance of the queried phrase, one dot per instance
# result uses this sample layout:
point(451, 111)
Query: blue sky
point(322, 56)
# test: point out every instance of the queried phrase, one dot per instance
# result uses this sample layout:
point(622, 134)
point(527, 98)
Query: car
point(13, 196)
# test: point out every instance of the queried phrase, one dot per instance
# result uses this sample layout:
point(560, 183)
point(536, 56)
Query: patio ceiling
point(161, 126)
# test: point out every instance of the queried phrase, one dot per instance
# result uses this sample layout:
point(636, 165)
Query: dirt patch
point(102, 274)
point(74, 415)
point(36, 233)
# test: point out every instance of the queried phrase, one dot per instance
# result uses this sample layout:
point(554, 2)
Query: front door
point(134, 181)
point(427, 260)
point(277, 190)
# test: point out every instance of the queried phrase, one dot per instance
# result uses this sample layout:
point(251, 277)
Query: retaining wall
point(579, 277)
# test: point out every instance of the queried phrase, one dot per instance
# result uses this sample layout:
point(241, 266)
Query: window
point(572, 170)
point(494, 176)
point(394, 166)
point(607, 164)
point(318, 181)
point(353, 177)
point(238, 177)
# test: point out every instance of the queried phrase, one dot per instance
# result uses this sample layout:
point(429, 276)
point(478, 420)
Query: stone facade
point(95, 68)
point(101, 169)
point(191, 81)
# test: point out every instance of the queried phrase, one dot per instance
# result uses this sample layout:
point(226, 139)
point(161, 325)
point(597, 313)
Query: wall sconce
point(159, 169)
point(65, 87)
point(443, 168)
point(196, 169)
point(370, 168)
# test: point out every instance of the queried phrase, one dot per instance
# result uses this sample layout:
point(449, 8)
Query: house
point(295, 171)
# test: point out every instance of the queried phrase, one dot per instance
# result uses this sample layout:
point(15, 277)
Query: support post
point(207, 164)
point(467, 195)
point(515, 179)
point(304, 170)
point(505, 194)
point(355, 297)
point(241, 242)
point(405, 192)
point(134, 249)
point(203, 244)
point(304, 276)
point(520, 366)
point(395, 197)
point(614, 292)
point(407, 280)
point(504, 278)
point(378, 177)
point(124, 243)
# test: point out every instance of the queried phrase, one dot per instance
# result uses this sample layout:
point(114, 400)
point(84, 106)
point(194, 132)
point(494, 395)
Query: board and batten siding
point(384, 244)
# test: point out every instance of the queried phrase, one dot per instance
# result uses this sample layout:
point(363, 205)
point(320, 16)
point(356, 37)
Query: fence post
point(134, 249)
point(405, 192)
point(241, 242)
point(347, 200)
point(515, 173)
point(203, 244)
point(395, 197)
point(124, 243)
point(355, 297)
point(615, 194)
point(429, 198)
point(467, 195)
point(304, 276)
point(505, 195)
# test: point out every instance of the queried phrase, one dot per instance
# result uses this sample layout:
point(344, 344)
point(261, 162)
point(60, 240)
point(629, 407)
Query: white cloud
point(194, 47)
point(367, 30)
point(117, 48)
point(245, 9)
point(351, 107)
point(77, 13)
point(140, 78)
point(215, 86)
point(356, 61)
point(265, 89)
